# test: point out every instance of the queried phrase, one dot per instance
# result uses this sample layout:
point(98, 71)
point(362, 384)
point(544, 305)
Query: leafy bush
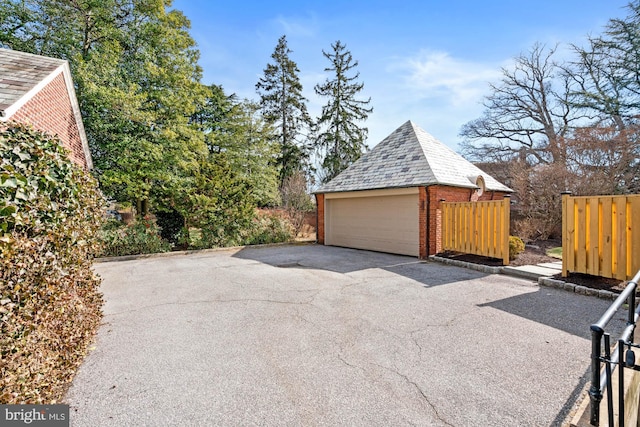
point(141, 236)
point(269, 228)
point(516, 246)
point(172, 225)
point(50, 211)
point(221, 206)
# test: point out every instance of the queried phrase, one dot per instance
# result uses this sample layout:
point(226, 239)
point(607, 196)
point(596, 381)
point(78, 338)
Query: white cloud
point(435, 74)
point(439, 92)
point(299, 26)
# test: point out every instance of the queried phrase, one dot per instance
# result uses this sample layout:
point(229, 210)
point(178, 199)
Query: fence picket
point(482, 228)
point(600, 235)
point(593, 236)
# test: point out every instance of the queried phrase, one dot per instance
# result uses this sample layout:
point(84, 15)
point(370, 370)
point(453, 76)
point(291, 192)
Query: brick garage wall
point(50, 111)
point(320, 218)
point(434, 195)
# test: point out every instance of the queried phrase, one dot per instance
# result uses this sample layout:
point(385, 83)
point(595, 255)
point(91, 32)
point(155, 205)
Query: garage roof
point(410, 157)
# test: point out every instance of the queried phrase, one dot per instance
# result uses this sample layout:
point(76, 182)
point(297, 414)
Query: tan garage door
point(380, 223)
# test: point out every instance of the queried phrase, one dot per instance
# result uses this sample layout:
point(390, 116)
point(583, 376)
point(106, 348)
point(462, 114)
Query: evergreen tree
point(284, 107)
point(215, 117)
point(135, 67)
point(340, 140)
point(220, 204)
point(237, 129)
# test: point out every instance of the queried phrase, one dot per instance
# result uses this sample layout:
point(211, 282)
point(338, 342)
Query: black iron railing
point(601, 381)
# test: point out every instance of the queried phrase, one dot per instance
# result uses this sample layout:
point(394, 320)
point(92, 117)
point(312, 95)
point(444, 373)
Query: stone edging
point(578, 289)
point(457, 263)
point(544, 281)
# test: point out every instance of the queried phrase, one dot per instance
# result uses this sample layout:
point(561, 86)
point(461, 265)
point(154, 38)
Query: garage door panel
point(384, 223)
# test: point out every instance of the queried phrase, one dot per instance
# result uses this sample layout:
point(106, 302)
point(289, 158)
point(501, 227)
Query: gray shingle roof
point(20, 73)
point(410, 157)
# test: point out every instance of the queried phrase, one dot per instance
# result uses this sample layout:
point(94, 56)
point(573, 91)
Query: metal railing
point(602, 380)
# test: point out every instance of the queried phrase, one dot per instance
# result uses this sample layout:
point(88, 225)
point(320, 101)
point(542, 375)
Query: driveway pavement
point(312, 335)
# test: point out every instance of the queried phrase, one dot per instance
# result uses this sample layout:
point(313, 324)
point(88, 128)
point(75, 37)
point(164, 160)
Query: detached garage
point(388, 200)
point(393, 214)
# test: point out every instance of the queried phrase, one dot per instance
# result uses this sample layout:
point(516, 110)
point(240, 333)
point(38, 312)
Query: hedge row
point(50, 213)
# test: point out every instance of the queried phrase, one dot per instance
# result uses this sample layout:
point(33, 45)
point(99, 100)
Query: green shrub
point(269, 228)
point(141, 236)
point(172, 224)
point(50, 211)
point(221, 206)
point(516, 246)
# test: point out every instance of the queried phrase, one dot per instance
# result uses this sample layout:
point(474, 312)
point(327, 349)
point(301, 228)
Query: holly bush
point(50, 213)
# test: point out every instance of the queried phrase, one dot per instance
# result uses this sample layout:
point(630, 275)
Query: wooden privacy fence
point(480, 228)
point(601, 235)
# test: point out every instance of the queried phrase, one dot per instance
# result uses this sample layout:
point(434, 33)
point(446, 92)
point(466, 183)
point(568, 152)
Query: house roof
point(410, 157)
point(22, 75)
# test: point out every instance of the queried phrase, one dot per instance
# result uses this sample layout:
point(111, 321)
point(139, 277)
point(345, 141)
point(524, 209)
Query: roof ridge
point(409, 157)
point(21, 53)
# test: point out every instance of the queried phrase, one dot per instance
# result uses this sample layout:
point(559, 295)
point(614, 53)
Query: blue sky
point(427, 61)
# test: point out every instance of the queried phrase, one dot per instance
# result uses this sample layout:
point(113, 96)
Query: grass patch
point(555, 252)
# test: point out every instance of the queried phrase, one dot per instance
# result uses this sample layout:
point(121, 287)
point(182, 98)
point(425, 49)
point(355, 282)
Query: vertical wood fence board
point(466, 237)
point(634, 234)
point(601, 235)
point(569, 250)
point(593, 236)
point(446, 229)
point(494, 230)
point(581, 245)
point(565, 227)
point(607, 237)
point(506, 223)
point(477, 228)
point(620, 238)
point(485, 228)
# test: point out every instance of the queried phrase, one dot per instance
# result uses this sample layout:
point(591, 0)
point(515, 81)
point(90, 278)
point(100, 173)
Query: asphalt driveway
point(309, 335)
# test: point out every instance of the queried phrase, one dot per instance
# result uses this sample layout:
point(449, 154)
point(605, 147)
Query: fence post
point(565, 237)
point(506, 225)
point(595, 395)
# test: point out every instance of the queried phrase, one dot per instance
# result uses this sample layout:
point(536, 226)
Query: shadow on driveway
point(559, 309)
point(315, 335)
point(346, 260)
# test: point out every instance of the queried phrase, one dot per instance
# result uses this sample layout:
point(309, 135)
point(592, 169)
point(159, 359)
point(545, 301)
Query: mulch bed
point(536, 254)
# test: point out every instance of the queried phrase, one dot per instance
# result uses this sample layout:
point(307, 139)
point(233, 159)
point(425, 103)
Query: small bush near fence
point(50, 211)
point(516, 246)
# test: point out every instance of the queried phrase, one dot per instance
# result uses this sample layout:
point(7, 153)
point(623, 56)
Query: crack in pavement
point(425, 398)
point(307, 302)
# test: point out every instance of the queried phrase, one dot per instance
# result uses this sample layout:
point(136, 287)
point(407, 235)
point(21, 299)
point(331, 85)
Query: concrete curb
point(510, 271)
point(543, 281)
point(478, 267)
point(198, 251)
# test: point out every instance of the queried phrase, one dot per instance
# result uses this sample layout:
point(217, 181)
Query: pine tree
point(340, 140)
point(284, 107)
point(237, 129)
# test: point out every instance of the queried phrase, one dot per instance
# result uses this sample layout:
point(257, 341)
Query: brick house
point(38, 90)
point(389, 200)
